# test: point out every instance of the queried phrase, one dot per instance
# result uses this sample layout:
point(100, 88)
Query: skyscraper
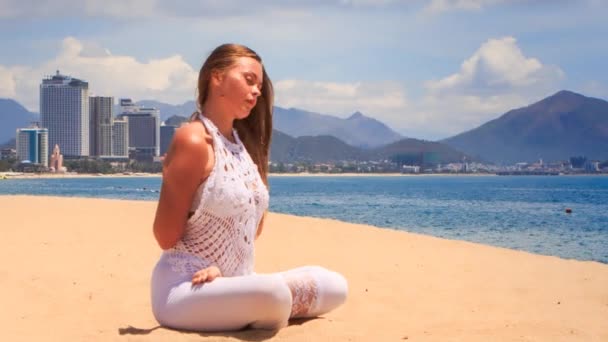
point(120, 138)
point(64, 111)
point(101, 111)
point(144, 130)
point(33, 145)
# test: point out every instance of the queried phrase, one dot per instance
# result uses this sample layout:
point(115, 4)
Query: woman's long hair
point(256, 129)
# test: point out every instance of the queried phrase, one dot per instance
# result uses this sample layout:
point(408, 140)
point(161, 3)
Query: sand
point(79, 270)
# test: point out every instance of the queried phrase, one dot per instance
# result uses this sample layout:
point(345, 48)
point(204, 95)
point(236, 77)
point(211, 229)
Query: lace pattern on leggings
point(304, 293)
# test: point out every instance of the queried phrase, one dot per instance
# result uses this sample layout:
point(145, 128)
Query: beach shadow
point(131, 330)
point(300, 321)
point(243, 335)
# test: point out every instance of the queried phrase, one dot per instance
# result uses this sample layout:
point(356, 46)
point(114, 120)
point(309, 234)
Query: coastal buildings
point(8, 153)
point(64, 111)
point(143, 128)
point(101, 111)
point(33, 145)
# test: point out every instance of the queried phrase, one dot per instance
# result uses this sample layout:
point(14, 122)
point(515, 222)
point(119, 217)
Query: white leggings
point(260, 301)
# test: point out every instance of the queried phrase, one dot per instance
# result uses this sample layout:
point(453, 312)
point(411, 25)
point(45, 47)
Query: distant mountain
point(413, 151)
point(315, 147)
point(176, 120)
point(318, 149)
point(560, 126)
point(167, 110)
point(357, 130)
point(13, 116)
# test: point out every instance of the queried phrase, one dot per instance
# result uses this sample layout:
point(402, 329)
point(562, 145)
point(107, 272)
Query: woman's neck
point(220, 117)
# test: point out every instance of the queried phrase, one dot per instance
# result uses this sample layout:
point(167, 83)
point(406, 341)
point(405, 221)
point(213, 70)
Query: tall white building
point(120, 138)
point(64, 110)
point(101, 110)
point(144, 130)
point(33, 145)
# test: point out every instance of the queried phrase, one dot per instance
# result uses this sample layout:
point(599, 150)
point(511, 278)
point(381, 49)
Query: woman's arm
point(188, 162)
point(260, 226)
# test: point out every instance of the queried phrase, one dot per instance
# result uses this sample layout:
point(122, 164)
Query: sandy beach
point(79, 270)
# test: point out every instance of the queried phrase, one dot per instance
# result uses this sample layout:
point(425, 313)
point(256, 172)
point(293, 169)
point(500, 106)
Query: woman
point(211, 208)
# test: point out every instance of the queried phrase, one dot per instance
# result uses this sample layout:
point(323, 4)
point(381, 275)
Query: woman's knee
point(334, 290)
point(340, 286)
point(274, 304)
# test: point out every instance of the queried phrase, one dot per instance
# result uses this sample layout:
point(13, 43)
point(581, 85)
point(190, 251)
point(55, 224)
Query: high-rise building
point(120, 138)
point(64, 111)
point(166, 135)
point(144, 130)
point(33, 145)
point(101, 111)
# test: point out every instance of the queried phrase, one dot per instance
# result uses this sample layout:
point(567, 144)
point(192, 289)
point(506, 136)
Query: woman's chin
point(243, 114)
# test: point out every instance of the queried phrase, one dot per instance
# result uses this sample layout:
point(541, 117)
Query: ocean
point(519, 212)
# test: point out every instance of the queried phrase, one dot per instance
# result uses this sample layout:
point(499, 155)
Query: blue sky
point(429, 69)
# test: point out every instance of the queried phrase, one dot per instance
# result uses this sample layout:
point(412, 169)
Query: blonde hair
point(256, 129)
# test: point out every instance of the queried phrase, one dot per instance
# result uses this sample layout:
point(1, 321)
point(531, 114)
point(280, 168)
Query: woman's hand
point(206, 275)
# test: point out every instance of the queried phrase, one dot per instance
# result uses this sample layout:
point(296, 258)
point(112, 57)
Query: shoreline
point(407, 230)
point(21, 175)
point(306, 174)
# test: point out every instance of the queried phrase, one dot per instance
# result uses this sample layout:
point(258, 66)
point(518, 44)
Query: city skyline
point(429, 69)
point(85, 126)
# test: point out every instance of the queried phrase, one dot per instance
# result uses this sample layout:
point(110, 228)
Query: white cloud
point(168, 79)
point(8, 86)
point(385, 101)
point(172, 80)
point(496, 78)
point(498, 65)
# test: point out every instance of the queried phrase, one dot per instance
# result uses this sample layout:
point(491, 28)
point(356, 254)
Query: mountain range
point(326, 148)
point(560, 126)
point(357, 130)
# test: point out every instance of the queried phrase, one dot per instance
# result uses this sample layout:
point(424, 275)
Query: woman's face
point(240, 86)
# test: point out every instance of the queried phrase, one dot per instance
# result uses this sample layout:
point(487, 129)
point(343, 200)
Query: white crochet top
point(228, 207)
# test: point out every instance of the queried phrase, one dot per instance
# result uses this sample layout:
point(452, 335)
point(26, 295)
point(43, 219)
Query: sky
point(428, 69)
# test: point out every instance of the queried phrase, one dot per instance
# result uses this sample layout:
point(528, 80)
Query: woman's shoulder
point(191, 145)
point(192, 135)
